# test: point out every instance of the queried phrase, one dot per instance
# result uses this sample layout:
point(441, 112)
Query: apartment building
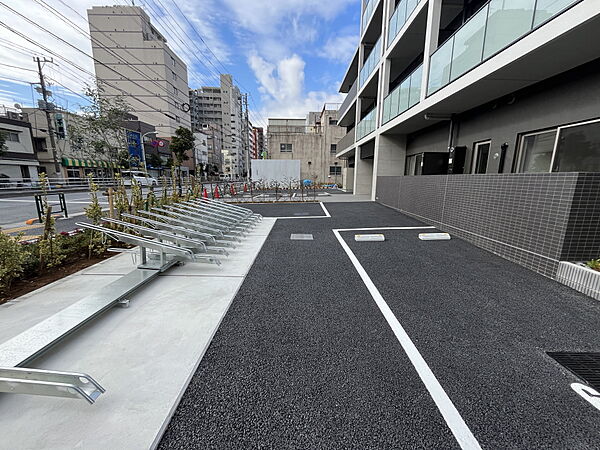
point(133, 60)
point(313, 141)
point(258, 142)
point(222, 106)
point(481, 117)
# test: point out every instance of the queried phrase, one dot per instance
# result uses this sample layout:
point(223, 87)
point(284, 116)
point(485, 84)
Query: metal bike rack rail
point(226, 228)
point(220, 214)
point(157, 255)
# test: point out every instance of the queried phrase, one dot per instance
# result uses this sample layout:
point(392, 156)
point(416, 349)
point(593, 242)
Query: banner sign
point(136, 152)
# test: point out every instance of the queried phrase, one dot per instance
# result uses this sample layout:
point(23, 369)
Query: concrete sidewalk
point(143, 355)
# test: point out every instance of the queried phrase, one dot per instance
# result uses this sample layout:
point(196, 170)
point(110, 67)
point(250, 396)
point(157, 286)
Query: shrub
point(594, 264)
point(12, 258)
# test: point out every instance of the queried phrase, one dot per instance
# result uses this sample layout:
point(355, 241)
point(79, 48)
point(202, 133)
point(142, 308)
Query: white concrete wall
point(275, 170)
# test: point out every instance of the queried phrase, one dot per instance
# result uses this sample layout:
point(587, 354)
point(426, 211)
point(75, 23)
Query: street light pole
point(144, 148)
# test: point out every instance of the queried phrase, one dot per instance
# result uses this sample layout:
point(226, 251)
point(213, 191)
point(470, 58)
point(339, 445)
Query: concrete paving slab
point(178, 314)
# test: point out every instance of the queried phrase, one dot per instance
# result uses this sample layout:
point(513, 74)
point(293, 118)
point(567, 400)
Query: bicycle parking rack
point(172, 239)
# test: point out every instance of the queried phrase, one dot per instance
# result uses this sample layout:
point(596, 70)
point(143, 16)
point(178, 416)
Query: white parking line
point(326, 216)
point(455, 422)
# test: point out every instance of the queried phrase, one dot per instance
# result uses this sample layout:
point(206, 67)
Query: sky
point(289, 55)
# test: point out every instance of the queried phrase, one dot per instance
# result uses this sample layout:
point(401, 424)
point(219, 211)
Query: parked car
point(141, 177)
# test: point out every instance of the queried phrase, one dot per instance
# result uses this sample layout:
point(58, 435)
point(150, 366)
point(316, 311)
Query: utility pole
point(46, 110)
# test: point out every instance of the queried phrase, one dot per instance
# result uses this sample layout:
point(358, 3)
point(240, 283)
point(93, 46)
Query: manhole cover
point(301, 237)
point(585, 365)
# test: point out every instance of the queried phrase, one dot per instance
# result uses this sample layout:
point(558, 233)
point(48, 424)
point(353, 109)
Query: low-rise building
point(17, 157)
point(312, 141)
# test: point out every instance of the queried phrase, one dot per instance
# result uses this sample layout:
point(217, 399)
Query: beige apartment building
point(313, 141)
point(133, 60)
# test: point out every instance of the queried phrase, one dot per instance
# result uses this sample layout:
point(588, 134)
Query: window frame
point(332, 149)
point(283, 146)
point(475, 156)
point(557, 129)
point(337, 171)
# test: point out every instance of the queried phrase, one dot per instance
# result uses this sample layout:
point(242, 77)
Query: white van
point(140, 177)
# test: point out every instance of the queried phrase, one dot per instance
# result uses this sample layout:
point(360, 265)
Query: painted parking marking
point(454, 420)
point(326, 216)
point(588, 393)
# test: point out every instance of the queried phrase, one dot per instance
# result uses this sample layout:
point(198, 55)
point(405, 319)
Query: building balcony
point(368, 13)
point(367, 125)
point(496, 26)
point(347, 141)
point(535, 47)
point(403, 11)
point(371, 63)
point(347, 106)
point(406, 95)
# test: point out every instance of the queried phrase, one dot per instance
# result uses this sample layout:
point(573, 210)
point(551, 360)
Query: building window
point(568, 148)
point(175, 92)
point(11, 136)
point(332, 121)
point(481, 153)
point(333, 149)
point(285, 148)
point(172, 62)
point(535, 151)
point(174, 75)
point(335, 170)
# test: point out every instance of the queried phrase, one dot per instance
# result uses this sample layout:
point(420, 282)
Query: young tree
point(181, 143)
point(98, 129)
point(154, 160)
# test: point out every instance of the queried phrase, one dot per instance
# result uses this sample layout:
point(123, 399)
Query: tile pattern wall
point(535, 220)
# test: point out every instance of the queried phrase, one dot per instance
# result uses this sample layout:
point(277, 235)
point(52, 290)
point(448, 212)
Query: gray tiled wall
point(535, 220)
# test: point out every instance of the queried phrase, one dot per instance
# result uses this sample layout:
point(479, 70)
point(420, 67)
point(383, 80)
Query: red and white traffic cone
point(217, 192)
point(205, 193)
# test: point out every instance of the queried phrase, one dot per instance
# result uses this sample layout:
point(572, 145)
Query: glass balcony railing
point(495, 26)
point(349, 100)
point(401, 15)
point(368, 12)
point(370, 63)
point(406, 95)
point(367, 125)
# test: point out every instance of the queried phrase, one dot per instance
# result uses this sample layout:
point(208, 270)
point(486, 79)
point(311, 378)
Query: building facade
point(312, 141)
point(133, 60)
point(259, 143)
point(17, 157)
point(222, 106)
point(481, 117)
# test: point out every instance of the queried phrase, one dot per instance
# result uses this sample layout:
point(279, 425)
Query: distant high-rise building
point(133, 60)
point(222, 106)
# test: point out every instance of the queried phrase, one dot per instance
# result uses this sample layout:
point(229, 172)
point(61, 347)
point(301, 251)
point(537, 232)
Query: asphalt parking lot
point(306, 356)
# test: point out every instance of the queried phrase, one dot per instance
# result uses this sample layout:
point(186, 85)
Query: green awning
point(91, 163)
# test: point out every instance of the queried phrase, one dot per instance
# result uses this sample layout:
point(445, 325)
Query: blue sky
point(290, 55)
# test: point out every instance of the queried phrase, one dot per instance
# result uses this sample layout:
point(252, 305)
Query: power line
point(17, 67)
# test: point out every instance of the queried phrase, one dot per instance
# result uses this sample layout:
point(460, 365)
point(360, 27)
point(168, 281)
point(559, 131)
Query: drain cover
point(301, 237)
point(585, 365)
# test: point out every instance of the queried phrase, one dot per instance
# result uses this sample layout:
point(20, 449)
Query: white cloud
point(340, 48)
point(282, 88)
